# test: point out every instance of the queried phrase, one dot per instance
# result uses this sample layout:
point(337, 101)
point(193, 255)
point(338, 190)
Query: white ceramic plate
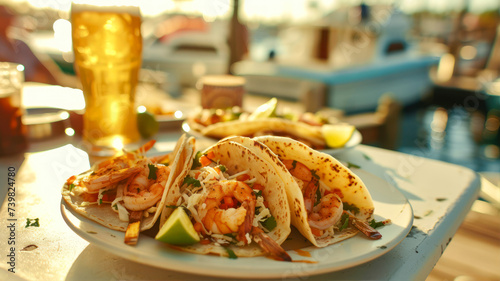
point(355, 139)
point(389, 204)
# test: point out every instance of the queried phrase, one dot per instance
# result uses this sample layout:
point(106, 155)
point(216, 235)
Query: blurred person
point(37, 68)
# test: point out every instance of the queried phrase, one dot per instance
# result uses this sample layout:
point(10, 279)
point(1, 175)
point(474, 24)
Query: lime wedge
point(178, 230)
point(147, 124)
point(265, 110)
point(337, 135)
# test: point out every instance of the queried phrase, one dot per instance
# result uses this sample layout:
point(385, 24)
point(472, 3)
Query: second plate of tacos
point(236, 202)
point(328, 202)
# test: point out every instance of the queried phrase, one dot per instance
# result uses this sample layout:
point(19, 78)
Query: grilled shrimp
point(142, 191)
point(232, 219)
point(329, 209)
point(94, 182)
point(327, 213)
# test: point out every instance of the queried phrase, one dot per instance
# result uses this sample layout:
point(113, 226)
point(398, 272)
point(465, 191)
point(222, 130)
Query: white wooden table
point(441, 195)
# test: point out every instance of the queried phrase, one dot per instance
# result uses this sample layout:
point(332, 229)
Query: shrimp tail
point(247, 226)
point(147, 146)
point(160, 158)
point(365, 228)
point(269, 245)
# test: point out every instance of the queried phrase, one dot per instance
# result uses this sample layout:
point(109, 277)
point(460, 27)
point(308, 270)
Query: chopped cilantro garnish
point(191, 181)
point(71, 186)
point(345, 224)
point(269, 223)
point(222, 168)
point(294, 164)
point(318, 197)
point(100, 201)
point(32, 222)
point(115, 207)
point(376, 224)
point(313, 172)
point(171, 206)
point(258, 193)
point(196, 160)
point(351, 165)
point(366, 157)
point(152, 171)
point(231, 253)
point(350, 207)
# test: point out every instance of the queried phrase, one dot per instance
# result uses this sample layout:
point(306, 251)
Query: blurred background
point(421, 77)
point(437, 61)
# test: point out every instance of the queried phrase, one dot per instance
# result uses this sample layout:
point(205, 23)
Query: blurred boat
point(360, 67)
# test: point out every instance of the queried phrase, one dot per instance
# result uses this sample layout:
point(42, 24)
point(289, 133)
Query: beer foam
point(115, 6)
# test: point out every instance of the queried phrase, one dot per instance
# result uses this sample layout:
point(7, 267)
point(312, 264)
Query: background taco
point(310, 135)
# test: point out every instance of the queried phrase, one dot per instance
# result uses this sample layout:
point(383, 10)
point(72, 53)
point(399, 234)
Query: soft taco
point(328, 202)
point(114, 188)
point(236, 201)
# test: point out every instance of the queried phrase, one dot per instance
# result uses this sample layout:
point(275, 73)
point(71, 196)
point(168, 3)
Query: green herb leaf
point(350, 207)
point(258, 193)
point(231, 253)
point(269, 223)
point(351, 165)
point(318, 196)
point(313, 172)
point(71, 186)
point(376, 224)
point(294, 164)
point(115, 207)
point(100, 201)
point(191, 181)
point(32, 222)
point(222, 168)
point(196, 160)
point(152, 171)
point(171, 206)
point(366, 157)
point(345, 224)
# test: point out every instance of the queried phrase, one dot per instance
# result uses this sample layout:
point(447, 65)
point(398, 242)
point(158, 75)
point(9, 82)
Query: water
point(454, 135)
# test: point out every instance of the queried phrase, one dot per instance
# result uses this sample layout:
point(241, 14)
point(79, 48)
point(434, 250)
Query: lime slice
point(147, 124)
point(337, 135)
point(265, 110)
point(178, 230)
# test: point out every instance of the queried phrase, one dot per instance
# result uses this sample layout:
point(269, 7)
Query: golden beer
point(107, 44)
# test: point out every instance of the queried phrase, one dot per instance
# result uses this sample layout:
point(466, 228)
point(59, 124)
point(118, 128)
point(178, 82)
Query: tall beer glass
point(107, 44)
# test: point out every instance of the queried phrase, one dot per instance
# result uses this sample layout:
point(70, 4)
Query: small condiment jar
point(221, 91)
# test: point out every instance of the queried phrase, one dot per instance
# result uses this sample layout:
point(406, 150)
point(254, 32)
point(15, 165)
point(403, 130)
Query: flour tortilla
point(103, 214)
point(237, 158)
point(331, 172)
